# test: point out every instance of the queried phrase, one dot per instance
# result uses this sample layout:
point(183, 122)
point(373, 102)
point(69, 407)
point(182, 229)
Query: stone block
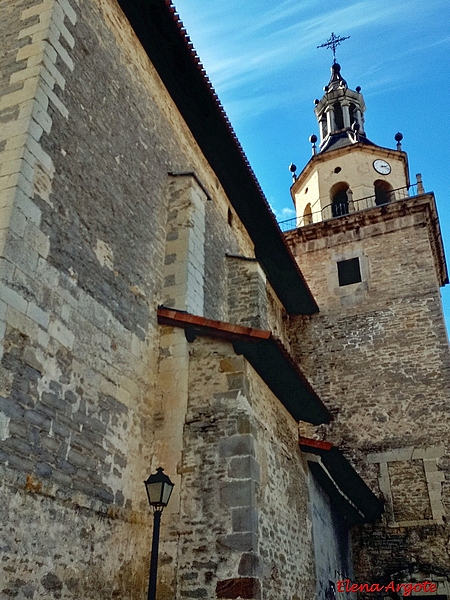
point(11, 408)
point(236, 381)
point(35, 10)
point(244, 467)
point(12, 298)
point(80, 442)
point(37, 418)
point(54, 401)
point(43, 470)
point(244, 519)
point(57, 76)
point(42, 24)
point(60, 429)
point(28, 208)
point(240, 542)
point(12, 166)
point(19, 463)
point(250, 565)
point(37, 240)
point(237, 445)
point(37, 315)
point(429, 453)
point(76, 459)
point(239, 587)
point(62, 52)
point(61, 333)
point(27, 92)
point(68, 10)
point(240, 492)
point(17, 446)
point(45, 409)
point(195, 593)
point(58, 28)
point(21, 255)
point(39, 113)
point(104, 495)
point(65, 467)
point(18, 222)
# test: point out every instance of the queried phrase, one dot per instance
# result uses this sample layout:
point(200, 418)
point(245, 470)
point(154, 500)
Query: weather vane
point(333, 43)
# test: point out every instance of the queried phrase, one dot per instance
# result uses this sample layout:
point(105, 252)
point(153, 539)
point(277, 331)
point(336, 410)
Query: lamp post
point(159, 488)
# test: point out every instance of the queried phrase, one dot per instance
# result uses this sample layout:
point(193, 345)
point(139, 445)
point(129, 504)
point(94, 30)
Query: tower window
point(349, 271)
point(338, 116)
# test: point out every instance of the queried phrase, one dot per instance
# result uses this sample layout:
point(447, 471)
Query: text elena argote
point(345, 585)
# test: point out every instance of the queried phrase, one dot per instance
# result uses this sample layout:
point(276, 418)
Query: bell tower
point(368, 243)
point(347, 172)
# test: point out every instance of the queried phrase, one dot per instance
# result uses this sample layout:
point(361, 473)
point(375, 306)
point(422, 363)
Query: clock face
point(381, 166)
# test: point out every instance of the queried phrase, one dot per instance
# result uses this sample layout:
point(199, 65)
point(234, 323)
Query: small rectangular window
point(349, 271)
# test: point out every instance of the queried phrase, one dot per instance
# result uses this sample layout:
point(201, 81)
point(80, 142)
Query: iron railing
point(341, 209)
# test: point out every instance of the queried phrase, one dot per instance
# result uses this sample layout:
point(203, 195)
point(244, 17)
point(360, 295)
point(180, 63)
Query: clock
point(381, 166)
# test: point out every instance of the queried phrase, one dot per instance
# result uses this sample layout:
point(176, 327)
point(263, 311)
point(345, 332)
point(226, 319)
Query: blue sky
point(262, 58)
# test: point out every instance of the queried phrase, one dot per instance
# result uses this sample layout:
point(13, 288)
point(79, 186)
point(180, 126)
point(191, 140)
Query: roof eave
point(340, 480)
point(265, 354)
point(165, 41)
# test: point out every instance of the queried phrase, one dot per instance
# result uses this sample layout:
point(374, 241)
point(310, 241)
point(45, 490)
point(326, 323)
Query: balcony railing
point(341, 209)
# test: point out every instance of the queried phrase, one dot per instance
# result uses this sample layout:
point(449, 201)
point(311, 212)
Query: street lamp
point(159, 488)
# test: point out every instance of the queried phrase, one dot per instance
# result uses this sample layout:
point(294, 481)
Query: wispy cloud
point(286, 38)
point(284, 213)
point(251, 49)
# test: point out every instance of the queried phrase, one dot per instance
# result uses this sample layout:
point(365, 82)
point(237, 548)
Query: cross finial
point(333, 42)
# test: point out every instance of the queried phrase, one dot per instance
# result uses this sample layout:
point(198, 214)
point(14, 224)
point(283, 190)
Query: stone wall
point(88, 137)
point(247, 295)
point(244, 518)
point(377, 354)
point(250, 522)
point(108, 209)
point(77, 296)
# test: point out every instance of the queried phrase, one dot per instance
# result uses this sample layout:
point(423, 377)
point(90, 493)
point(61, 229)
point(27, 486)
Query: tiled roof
point(163, 37)
point(340, 140)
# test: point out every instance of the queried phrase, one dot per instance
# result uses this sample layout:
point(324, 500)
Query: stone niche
point(411, 483)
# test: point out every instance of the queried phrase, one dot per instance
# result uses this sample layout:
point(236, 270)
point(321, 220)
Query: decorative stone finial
point(336, 79)
point(398, 138)
point(293, 169)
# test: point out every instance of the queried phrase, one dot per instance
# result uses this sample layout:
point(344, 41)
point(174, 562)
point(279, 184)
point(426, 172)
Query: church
point(294, 385)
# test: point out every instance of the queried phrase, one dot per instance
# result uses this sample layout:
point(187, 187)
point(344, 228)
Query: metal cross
point(333, 43)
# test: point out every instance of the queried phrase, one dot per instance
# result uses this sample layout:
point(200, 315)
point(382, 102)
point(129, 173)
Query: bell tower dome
point(340, 113)
point(347, 172)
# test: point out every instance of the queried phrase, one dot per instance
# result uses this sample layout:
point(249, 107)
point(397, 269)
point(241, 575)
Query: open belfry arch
point(152, 314)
